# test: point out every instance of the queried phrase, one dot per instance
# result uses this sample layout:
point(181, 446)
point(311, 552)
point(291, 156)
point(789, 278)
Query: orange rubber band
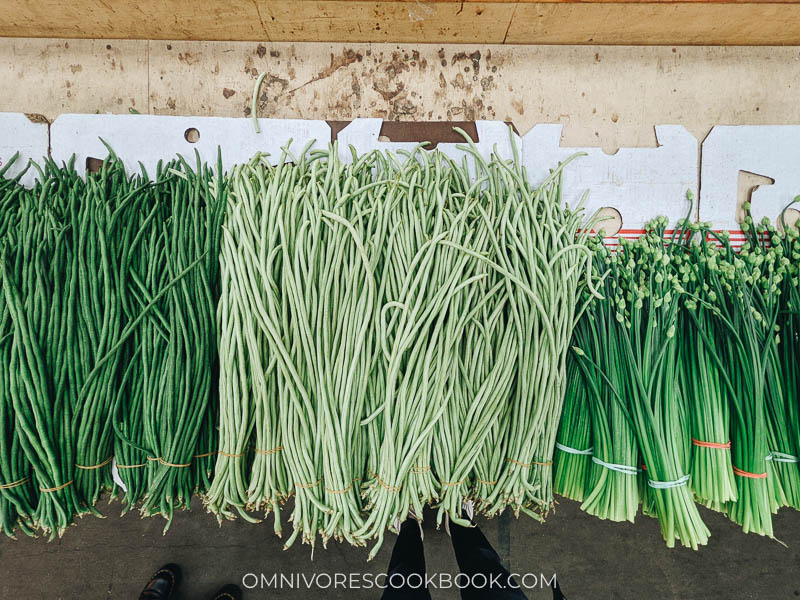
point(268, 452)
point(119, 466)
point(227, 455)
point(740, 473)
point(701, 444)
point(486, 482)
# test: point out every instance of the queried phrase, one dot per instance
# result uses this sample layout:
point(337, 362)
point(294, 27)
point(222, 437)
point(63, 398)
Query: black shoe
point(163, 584)
point(228, 592)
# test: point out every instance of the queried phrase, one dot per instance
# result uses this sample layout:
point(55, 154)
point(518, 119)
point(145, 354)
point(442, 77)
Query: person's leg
point(405, 578)
point(489, 580)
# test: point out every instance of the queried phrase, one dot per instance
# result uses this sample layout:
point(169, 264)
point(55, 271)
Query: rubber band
point(384, 485)
point(344, 491)
point(119, 466)
point(567, 449)
point(55, 489)
point(624, 469)
point(207, 454)
point(701, 444)
point(13, 484)
point(92, 467)
point(308, 486)
point(486, 482)
point(418, 470)
point(228, 455)
point(173, 465)
point(740, 473)
point(268, 452)
point(665, 485)
point(782, 457)
point(528, 465)
point(452, 483)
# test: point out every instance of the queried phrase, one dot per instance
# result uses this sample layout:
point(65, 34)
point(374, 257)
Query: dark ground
point(112, 558)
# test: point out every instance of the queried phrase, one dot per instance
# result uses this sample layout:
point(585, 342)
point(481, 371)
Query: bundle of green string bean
point(78, 270)
point(174, 274)
point(17, 494)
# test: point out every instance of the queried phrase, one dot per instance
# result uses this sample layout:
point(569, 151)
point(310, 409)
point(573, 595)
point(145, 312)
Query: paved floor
point(112, 558)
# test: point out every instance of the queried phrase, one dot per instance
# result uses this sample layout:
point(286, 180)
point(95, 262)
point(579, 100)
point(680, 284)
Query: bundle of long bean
point(177, 293)
point(546, 261)
point(17, 493)
point(430, 299)
point(36, 267)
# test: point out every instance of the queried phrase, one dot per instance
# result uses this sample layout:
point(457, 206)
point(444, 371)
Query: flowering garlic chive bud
point(746, 206)
point(578, 351)
point(671, 332)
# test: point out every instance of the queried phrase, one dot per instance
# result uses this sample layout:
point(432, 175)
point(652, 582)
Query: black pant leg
point(478, 561)
point(407, 565)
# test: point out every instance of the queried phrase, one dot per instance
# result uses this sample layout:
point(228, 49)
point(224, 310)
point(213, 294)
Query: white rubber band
point(625, 469)
point(783, 457)
point(569, 450)
point(664, 485)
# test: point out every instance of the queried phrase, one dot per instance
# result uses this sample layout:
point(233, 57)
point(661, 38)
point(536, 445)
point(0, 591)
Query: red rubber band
point(740, 473)
point(702, 444)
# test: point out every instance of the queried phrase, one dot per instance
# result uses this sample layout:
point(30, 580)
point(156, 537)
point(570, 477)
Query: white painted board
point(150, 138)
point(641, 183)
point(769, 150)
point(19, 134)
point(363, 135)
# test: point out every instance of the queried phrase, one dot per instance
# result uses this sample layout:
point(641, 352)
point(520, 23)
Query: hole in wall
point(434, 132)
point(191, 135)
point(609, 220)
point(93, 165)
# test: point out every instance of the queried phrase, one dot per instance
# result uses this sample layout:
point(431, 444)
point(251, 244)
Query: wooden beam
point(650, 22)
